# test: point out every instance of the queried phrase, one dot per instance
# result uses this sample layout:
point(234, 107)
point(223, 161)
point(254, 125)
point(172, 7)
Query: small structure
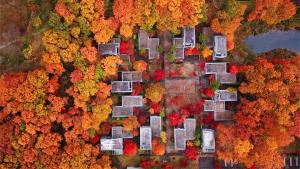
point(134, 168)
point(218, 107)
point(187, 41)
point(189, 37)
point(226, 78)
point(220, 47)
point(215, 68)
point(208, 140)
point(150, 44)
point(190, 128)
point(225, 95)
point(155, 124)
point(118, 132)
point(110, 48)
point(121, 86)
point(122, 111)
point(145, 138)
point(223, 115)
point(112, 144)
point(132, 101)
point(133, 76)
point(179, 139)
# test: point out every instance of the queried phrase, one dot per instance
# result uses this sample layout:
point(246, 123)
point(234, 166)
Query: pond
point(273, 40)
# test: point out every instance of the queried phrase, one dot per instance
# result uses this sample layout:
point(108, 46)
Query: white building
point(145, 138)
point(208, 141)
point(220, 47)
point(112, 144)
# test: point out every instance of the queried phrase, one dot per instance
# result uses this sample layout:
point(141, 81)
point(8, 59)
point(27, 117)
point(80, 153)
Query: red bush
point(159, 75)
point(175, 119)
point(130, 148)
point(209, 92)
point(191, 153)
point(234, 69)
point(146, 164)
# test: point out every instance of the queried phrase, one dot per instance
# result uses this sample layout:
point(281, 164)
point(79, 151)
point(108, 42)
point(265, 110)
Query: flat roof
point(226, 78)
point(225, 95)
point(122, 111)
point(132, 101)
point(215, 67)
point(118, 132)
point(189, 37)
point(190, 128)
point(179, 139)
point(111, 144)
point(145, 138)
point(208, 140)
point(121, 86)
point(220, 44)
point(133, 76)
point(155, 123)
point(150, 44)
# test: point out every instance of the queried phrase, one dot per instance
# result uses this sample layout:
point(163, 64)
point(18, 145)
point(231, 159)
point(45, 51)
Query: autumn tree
point(130, 123)
point(272, 11)
point(228, 19)
point(140, 65)
point(124, 13)
point(155, 92)
point(130, 148)
point(158, 148)
point(266, 115)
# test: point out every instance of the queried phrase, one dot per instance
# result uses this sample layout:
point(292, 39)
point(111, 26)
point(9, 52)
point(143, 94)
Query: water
point(273, 40)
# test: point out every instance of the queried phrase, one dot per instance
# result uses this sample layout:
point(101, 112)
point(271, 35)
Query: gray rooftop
point(118, 132)
point(179, 139)
point(145, 138)
point(121, 111)
point(208, 140)
point(189, 37)
point(226, 78)
point(111, 144)
point(150, 44)
point(215, 67)
point(110, 48)
point(133, 76)
point(225, 95)
point(132, 101)
point(121, 86)
point(190, 128)
point(155, 123)
point(220, 44)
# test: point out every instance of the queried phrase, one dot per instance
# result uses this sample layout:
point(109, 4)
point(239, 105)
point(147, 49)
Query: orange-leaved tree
point(266, 115)
point(228, 19)
point(272, 11)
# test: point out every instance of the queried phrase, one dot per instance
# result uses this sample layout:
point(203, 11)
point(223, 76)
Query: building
point(219, 69)
point(118, 132)
point(122, 111)
point(133, 76)
point(155, 124)
point(149, 44)
point(112, 144)
point(220, 47)
point(132, 101)
point(110, 48)
point(219, 110)
point(121, 86)
point(225, 95)
point(187, 41)
point(189, 37)
point(226, 78)
point(145, 138)
point(208, 141)
point(190, 128)
point(179, 139)
point(215, 68)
